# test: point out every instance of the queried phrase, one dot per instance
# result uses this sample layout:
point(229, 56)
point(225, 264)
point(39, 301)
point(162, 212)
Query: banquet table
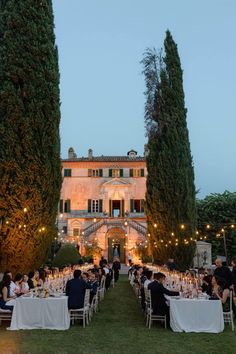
point(40, 313)
point(196, 315)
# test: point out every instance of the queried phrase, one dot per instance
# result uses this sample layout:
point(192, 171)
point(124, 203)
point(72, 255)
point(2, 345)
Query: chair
point(5, 315)
point(101, 289)
point(83, 313)
point(229, 315)
point(149, 316)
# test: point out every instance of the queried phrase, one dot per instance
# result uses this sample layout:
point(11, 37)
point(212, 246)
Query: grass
point(118, 328)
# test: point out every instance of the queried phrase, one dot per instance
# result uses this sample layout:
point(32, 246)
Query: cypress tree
point(170, 196)
point(30, 171)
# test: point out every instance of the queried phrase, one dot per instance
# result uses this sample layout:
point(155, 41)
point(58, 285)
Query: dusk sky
point(101, 44)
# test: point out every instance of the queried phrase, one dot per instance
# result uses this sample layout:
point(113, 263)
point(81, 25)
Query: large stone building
point(102, 201)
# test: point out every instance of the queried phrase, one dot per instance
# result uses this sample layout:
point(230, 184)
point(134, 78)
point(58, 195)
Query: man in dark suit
point(158, 291)
point(75, 290)
point(223, 272)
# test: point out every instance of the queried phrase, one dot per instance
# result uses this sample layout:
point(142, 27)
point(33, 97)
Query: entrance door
point(116, 212)
point(116, 249)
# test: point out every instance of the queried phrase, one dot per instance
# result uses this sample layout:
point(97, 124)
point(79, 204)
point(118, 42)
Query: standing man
point(223, 272)
point(116, 268)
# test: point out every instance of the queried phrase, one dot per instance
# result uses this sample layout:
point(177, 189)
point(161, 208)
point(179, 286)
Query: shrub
point(67, 254)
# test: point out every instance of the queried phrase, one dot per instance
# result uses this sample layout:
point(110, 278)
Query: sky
point(101, 44)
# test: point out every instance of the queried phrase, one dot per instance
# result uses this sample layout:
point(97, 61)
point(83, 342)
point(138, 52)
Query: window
point(67, 206)
point(137, 205)
point(95, 205)
point(116, 172)
point(75, 232)
point(67, 172)
point(134, 172)
point(95, 173)
point(64, 230)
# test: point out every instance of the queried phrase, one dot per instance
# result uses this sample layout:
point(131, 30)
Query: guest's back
point(75, 290)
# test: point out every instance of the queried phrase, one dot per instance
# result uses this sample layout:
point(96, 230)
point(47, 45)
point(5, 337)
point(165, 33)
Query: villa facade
point(102, 202)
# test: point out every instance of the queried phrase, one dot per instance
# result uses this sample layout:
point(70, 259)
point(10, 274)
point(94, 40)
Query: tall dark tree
point(30, 173)
point(170, 196)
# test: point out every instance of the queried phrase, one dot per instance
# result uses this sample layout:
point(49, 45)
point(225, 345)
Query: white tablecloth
point(190, 315)
point(35, 313)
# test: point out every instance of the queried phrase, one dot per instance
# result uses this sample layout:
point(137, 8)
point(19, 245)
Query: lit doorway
point(116, 248)
point(116, 212)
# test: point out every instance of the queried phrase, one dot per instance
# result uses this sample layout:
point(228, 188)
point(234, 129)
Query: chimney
point(90, 154)
point(71, 153)
point(146, 151)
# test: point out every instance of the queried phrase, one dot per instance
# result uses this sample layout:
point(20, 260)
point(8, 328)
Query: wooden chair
point(229, 315)
point(83, 313)
point(149, 315)
point(5, 315)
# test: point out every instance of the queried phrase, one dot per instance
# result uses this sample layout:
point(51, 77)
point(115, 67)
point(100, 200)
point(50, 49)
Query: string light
point(25, 210)
point(155, 225)
point(208, 226)
point(182, 226)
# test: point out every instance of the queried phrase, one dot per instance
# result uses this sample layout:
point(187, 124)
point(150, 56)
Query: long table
point(40, 313)
point(196, 315)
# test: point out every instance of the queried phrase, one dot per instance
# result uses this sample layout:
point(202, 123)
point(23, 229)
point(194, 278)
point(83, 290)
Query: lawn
point(118, 327)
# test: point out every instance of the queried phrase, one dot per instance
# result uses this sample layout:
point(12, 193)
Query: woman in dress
point(41, 279)
point(18, 281)
point(221, 292)
point(5, 293)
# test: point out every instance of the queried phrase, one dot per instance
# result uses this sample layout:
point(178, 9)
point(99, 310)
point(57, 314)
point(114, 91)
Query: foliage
point(30, 171)
point(142, 252)
point(170, 193)
point(92, 250)
point(67, 254)
point(218, 211)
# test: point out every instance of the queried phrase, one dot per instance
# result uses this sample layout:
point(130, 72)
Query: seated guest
point(18, 281)
point(12, 284)
point(148, 280)
point(158, 291)
point(75, 290)
point(24, 284)
point(41, 279)
point(207, 284)
point(31, 280)
point(36, 278)
point(94, 283)
point(5, 293)
point(223, 272)
point(85, 276)
point(233, 263)
point(220, 291)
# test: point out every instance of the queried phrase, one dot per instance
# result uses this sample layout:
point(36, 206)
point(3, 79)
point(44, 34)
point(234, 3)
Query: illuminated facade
point(102, 201)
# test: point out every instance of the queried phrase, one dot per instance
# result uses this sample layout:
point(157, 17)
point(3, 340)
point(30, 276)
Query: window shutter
point(121, 172)
point(142, 205)
point(100, 205)
point(100, 173)
point(131, 172)
point(110, 207)
point(61, 206)
point(110, 172)
point(142, 172)
point(122, 208)
point(89, 173)
point(131, 205)
point(68, 205)
point(89, 205)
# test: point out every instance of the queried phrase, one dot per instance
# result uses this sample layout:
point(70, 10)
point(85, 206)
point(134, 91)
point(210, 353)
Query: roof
point(103, 158)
